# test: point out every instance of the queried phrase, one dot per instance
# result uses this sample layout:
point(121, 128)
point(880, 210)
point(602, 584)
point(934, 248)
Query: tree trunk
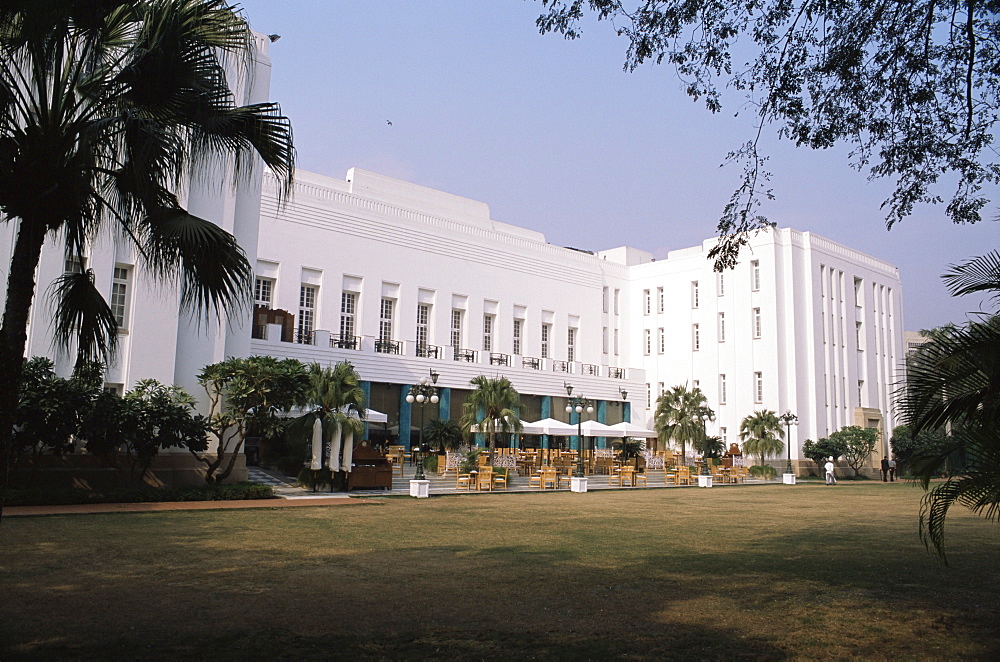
point(14, 337)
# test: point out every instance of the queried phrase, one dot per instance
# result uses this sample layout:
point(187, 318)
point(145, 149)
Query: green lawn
point(768, 572)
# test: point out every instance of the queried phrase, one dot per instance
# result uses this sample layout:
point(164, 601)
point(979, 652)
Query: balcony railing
point(345, 342)
point(560, 366)
point(496, 358)
point(467, 355)
point(426, 351)
point(531, 362)
point(616, 373)
point(590, 369)
point(304, 337)
point(388, 346)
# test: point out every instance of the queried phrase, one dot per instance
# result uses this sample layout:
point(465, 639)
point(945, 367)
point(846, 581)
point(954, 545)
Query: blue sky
point(556, 137)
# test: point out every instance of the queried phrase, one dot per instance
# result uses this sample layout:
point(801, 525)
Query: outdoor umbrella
point(348, 451)
point(595, 429)
point(553, 427)
point(632, 430)
point(334, 462)
point(317, 445)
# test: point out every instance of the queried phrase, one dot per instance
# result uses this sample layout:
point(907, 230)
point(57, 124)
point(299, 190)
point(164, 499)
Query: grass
point(770, 572)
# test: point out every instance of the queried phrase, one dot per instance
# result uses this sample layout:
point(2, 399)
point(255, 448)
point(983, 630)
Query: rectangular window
point(456, 328)
point(861, 390)
point(721, 282)
point(617, 297)
point(649, 397)
point(348, 309)
point(645, 302)
point(571, 345)
point(307, 312)
point(616, 342)
point(659, 300)
point(263, 292)
point(722, 327)
point(73, 265)
point(385, 320)
point(756, 322)
point(694, 294)
point(518, 327)
point(662, 340)
point(857, 292)
point(722, 389)
point(660, 389)
point(488, 333)
point(758, 387)
point(695, 337)
point(546, 330)
point(695, 383)
point(423, 320)
point(755, 275)
point(647, 341)
point(604, 340)
point(858, 336)
point(724, 436)
point(604, 298)
point(119, 296)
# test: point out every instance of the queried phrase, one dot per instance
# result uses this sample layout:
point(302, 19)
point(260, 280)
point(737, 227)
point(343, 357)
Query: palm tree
point(445, 433)
point(761, 435)
point(106, 108)
point(335, 399)
point(491, 409)
point(953, 382)
point(681, 415)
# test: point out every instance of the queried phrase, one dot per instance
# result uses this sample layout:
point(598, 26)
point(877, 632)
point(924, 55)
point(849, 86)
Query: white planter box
point(578, 484)
point(420, 489)
point(704, 481)
point(788, 479)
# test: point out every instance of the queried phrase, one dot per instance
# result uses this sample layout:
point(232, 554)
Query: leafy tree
point(953, 382)
point(105, 108)
point(491, 408)
point(335, 397)
point(680, 416)
point(709, 446)
point(820, 451)
point(50, 409)
point(907, 447)
point(859, 444)
point(247, 396)
point(447, 434)
point(909, 86)
point(761, 435)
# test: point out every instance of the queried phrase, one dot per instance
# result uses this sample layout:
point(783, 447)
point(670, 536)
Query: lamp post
point(705, 416)
point(789, 419)
point(578, 404)
point(421, 393)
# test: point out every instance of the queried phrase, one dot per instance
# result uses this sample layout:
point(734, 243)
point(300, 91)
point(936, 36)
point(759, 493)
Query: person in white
point(830, 480)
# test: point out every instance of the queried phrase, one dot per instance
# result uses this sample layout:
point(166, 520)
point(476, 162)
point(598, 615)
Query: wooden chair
point(397, 462)
point(670, 477)
point(566, 477)
point(640, 477)
point(535, 480)
point(463, 480)
point(484, 479)
point(549, 477)
point(500, 478)
point(684, 475)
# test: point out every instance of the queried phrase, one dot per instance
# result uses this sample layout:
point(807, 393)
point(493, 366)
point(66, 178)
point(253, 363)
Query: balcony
point(426, 351)
point(496, 358)
point(560, 366)
point(616, 373)
point(345, 342)
point(467, 355)
point(303, 337)
point(531, 362)
point(259, 332)
point(590, 369)
point(388, 346)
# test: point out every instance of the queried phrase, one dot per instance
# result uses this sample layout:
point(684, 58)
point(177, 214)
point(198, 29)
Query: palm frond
point(979, 274)
point(81, 313)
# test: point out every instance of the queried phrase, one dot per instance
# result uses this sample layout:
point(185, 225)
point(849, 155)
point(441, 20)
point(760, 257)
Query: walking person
point(892, 470)
point(885, 469)
point(830, 479)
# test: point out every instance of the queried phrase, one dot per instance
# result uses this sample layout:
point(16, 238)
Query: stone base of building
point(88, 472)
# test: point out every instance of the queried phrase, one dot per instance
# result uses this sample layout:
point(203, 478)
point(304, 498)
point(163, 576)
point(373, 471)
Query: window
point(722, 389)
point(604, 340)
point(756, 322)
point(423, 318)
point(695, 338)
point(348, 308)
point(755, 275)
point(616, 342)
point(758, 387)
point(385, 320)
point(858, 336)
point(660, 389)
point(546, 330)
point(604, 298)
point(119, 296)
point(662, 340)
point(488, 332)
point(647, 341)
point(518, 327)
point(307, 312)
point(861, 390)
point(645, 302)
point(456, 328)
point(659, 300)
point(722, 327)
point(263, 292)
point(571, 344)
point(721, 283)
point(695, 383)
point(694, 294)
point(723, 436)
point(73, 265)
point(617, 296)
point(857, 292)
point(649, 397)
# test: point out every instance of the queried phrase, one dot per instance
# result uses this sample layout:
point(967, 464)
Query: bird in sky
point(388, 122)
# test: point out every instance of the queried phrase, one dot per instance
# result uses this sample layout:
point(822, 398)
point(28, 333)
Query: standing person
point(885, 469)
point(892, 470)
point(830, 479)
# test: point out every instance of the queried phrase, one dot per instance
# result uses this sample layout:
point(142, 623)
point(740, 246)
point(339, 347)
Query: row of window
point(720, 287)
point(696, 334)
point(758, 389)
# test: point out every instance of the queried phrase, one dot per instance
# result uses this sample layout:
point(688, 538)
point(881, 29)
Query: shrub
point(763, 471)
point(235, 492)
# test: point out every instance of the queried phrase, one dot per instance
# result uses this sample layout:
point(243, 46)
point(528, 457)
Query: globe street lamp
point(705, 416)
point(422, 393)
point(789, 419)
point(578, 404)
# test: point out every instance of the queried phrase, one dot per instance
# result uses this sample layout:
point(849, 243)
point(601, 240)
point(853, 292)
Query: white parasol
point(317, 445)
point(348, 451)
point(334, 462)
